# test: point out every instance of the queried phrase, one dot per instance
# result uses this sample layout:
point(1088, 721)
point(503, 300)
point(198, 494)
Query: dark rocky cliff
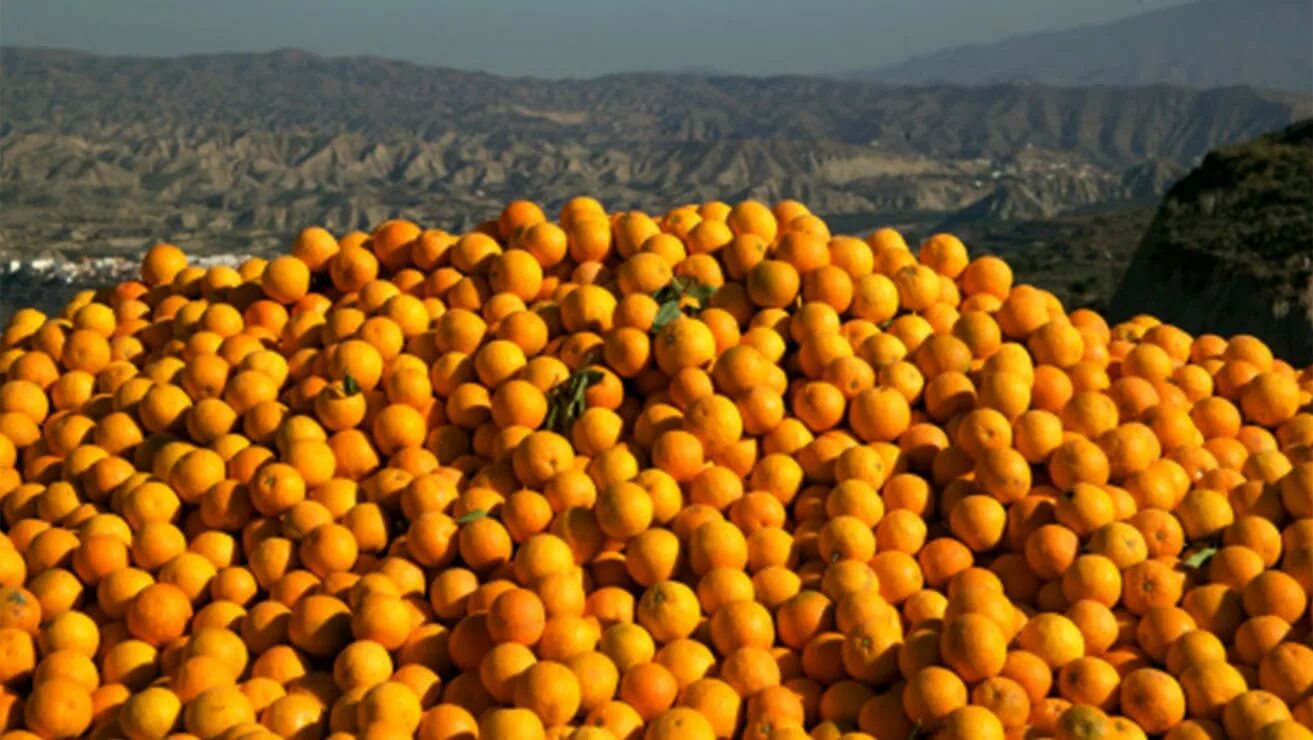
point(1231, 248)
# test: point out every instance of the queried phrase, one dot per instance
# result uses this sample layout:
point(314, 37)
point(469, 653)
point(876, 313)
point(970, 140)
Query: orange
point(276, 487)
point(315, 246)
point(682, 722)
point(750, 669)
point(285, 279)
point(505, 724)
point(708, 473)
point(752, 217)
point(158, 614)
point(551, 691)
point(974, 646)
point(216, 710)
point(58, 707)
point(932, 694)
point(1052, 637)
point(20, 655)
point(161, 263)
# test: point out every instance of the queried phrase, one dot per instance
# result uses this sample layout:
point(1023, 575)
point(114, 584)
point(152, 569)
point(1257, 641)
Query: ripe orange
point(712, 473)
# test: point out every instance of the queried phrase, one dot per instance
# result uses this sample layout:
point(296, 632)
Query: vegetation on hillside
point(1231, 247)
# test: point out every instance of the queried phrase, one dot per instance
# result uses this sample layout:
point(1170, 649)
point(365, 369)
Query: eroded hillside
point(236, 151)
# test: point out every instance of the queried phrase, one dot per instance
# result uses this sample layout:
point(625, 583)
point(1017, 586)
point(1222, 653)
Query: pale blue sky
point(555, 39)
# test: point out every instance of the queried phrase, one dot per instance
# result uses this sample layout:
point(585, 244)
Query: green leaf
point(668, 312)
point(1199, 557)
point(472, 516)
point(350, 385)
point(666, 293)
point(671, 299)
point(567, 401)
point(702, 293)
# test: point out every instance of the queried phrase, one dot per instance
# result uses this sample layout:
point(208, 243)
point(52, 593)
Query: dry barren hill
point(237, 151)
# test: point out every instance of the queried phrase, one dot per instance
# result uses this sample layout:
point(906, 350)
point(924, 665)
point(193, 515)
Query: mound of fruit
point(711, 474)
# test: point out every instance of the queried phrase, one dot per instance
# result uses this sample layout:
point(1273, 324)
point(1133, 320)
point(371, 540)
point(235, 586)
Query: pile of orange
point(712, 474)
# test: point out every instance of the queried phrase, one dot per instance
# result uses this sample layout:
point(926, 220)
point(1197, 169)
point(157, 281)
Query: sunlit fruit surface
point(712, 473)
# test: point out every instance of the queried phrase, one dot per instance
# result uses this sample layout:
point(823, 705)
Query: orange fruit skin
point(713, 472)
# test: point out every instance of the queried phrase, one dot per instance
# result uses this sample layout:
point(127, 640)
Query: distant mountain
point(240, 150)
point(696, 70)
point(1207, 43)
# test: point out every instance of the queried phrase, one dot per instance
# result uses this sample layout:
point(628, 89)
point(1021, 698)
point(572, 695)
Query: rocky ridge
point(1230, 250)
point(234, 152)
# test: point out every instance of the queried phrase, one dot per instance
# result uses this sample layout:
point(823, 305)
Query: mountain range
point(240, 150)
point(1201, 44)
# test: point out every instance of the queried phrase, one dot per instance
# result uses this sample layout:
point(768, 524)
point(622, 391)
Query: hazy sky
point(561, 38)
